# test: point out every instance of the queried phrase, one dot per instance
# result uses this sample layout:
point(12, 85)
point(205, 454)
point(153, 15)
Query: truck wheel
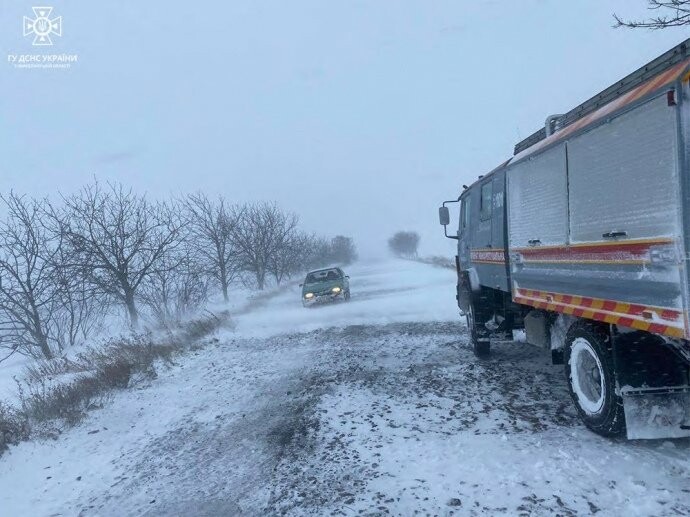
point(479, 334)
point(591, 380)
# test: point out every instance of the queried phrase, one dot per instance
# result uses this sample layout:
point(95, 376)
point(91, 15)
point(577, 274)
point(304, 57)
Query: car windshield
point(326, 275)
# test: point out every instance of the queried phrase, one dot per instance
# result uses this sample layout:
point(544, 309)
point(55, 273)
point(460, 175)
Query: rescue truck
point(582, 240)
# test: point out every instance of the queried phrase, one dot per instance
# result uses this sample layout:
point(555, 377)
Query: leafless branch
point(672, 13)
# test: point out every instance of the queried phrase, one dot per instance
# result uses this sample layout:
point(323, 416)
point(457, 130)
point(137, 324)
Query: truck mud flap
point(653, 378)
point(657, 413)
point(464, 291)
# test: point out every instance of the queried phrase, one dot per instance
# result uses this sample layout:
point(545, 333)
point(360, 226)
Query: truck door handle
point(534, 242)
point(614, 234)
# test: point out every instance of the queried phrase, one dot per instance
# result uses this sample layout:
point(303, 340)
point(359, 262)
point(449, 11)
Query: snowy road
point(373, 407)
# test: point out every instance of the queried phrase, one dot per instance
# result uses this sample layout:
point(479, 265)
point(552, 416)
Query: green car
point(325, 285)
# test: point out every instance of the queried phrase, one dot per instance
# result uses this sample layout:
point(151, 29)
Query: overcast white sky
point(359, 115)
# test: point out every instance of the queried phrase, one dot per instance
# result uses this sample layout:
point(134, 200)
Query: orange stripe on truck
point(658, 320)
point(623, 252)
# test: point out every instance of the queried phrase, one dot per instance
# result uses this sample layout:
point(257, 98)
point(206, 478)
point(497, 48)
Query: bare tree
point(303, 252)
point(292, 257)
point(262, 230)
point(30, 296)
point(211, 226)
point(177, 290)
point(119, 239)
point(82, 306)
point(404, 244)
point(670, 13)
point(343, 250)
point(319, 254)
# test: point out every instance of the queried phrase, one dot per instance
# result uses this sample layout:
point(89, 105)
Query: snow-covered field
point(376, 406)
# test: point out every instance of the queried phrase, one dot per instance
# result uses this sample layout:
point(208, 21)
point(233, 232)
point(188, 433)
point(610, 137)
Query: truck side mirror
point(443, 215)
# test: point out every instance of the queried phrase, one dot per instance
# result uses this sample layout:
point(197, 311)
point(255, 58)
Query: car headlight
point(336, 290)
point(309, 295)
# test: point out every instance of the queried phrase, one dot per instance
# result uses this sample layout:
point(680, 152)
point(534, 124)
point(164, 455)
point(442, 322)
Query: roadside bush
point(14, 426)
point(199, 328)
point(49, 369)
point(48, 398)
point(44, 402)
point(57, 394)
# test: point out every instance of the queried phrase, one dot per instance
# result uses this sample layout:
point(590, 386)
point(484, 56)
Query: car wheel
point(591, 381)
point(347, 295)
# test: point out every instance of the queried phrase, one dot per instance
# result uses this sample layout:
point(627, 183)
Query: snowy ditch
point(50, 396)
point(55, 395)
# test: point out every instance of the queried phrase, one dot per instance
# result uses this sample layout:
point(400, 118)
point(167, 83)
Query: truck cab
point(483, 286)
point(481, 234)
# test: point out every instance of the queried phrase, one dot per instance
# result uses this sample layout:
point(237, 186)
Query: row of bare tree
point(64, 267)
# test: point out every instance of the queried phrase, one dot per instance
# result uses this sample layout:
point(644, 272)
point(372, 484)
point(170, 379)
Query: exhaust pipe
point(551, 124)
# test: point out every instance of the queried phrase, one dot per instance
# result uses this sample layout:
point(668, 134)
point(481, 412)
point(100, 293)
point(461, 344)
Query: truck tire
point(479, 335)
point(590, 375)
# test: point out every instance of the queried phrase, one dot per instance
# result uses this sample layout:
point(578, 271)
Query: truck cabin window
point(485, 201)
